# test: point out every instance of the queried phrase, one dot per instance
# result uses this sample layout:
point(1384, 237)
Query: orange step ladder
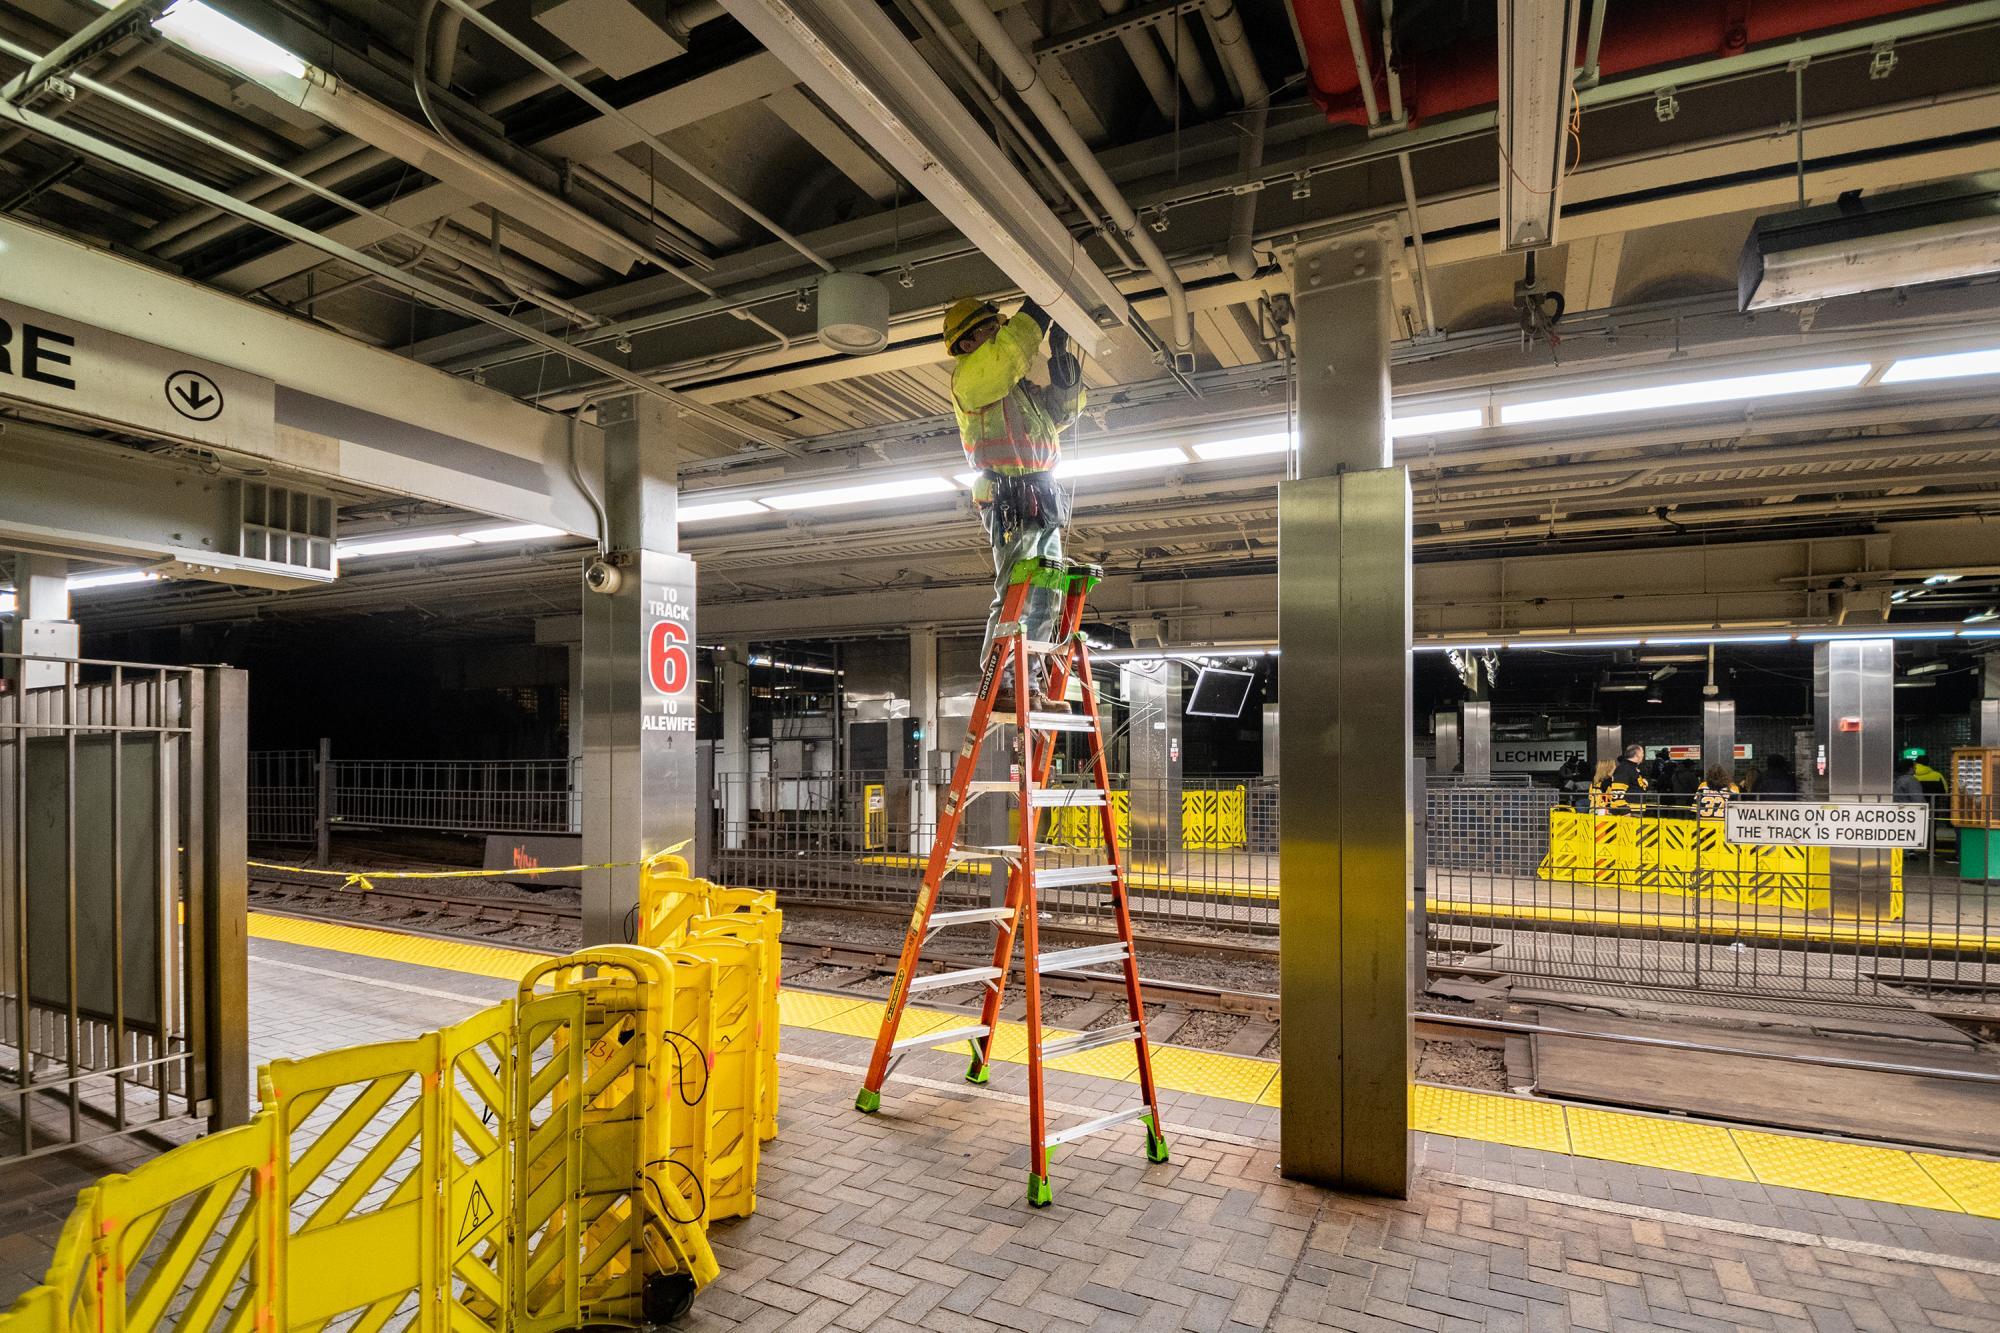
point(1033, 745)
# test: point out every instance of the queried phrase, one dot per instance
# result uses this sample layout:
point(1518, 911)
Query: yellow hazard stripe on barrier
point(1708, 921)
point(1668, 1143)
point(365, 879)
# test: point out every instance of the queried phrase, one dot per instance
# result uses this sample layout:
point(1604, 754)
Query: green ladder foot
point(978, 1072)
point(868, 1102)
point(1038, 1190)
point(1156, 1143)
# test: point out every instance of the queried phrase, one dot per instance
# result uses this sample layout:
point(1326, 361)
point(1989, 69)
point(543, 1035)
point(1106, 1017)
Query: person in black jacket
point(1627, 782)
point(1777, 778)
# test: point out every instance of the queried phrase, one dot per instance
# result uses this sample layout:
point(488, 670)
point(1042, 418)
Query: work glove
point(1064, 369)
point(1058, 343)
point(1034, 311)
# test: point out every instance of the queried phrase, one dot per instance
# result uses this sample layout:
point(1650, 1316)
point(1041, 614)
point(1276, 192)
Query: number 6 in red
point(667, 657)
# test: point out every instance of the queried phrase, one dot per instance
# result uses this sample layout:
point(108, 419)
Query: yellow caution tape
point(364, 879)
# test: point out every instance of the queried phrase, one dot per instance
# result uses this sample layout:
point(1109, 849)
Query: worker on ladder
point(1010, 427)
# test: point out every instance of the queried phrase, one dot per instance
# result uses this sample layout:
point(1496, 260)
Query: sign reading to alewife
point(1805, 824)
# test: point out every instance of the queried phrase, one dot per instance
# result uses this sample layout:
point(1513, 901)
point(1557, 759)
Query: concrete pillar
point(41, 626)
point(924, 719)
point(1718, 735)
point(638, 672)
point(1345, 841)
point(574, 739)
point(734, 766)
point(1152, 692)
point(1854, 715)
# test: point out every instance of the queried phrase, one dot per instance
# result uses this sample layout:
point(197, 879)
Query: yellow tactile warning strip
point(1670, 1143)
point(478, 960)
point(1825, 1166)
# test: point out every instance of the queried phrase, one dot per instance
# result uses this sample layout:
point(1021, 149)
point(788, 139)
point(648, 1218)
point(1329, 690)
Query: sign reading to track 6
point(82, 371)
point(1844, 824)
point(667, 590)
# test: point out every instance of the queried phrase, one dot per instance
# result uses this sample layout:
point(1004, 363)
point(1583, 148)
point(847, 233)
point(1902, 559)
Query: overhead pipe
point(442, 297)
point(113, 72)
point(1027, 84)
point(1233, 45)
point(1145, 56)
point(1178, 39)
point(646, 136)
point(108, 28)
point(1342, 79)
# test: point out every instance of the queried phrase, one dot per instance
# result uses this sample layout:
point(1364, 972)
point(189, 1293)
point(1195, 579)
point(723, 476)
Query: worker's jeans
point(1009, 549)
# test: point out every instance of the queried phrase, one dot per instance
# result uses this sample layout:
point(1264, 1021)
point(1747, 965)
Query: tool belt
point(1029, 500)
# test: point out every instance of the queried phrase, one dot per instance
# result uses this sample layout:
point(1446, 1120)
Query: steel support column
point(1478, 738)
point(1718, 734)
point(638, 674)
point(1344, 622)
point(1854, 712)
point(923, 717)
point(734, 765)
point(1153, 692)
point(223, 975)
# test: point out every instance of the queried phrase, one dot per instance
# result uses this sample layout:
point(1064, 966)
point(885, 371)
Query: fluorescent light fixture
point(213, 34)
point(697, 513)
point(1898, 238)
point(1949, 366)
point(1937, 579)
point(1537, 51)
point(430, 541)
point(1246, 446)
point(518, 532)
point(7, 602)
point(1099, 465)
point(1437, 423)
point(902, 488)
point(115, 578)
point(1622, 689)
point(1915, 684)
point(1692, 393)
point(1981, 617)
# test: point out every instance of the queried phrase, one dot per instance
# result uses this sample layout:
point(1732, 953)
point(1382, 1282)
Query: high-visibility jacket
point(1007, 424)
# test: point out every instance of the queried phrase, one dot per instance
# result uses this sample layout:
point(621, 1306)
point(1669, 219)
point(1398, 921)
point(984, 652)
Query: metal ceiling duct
point(860, 65)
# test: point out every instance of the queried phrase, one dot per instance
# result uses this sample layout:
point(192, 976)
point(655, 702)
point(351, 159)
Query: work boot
point(1005, 705)
point(1041, 703)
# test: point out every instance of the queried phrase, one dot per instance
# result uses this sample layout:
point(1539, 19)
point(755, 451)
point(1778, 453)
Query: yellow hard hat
point(966, 314)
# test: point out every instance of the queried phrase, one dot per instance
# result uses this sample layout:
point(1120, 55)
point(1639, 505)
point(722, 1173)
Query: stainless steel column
point(1986, 713)
point(1478, 714)
point(924, 717)
point(1153, 693)
point(224, 967)
point(1446, 755)
point(1718, 734)
point(1854, 714)
point(1610, 742)
point(638, 673)
point(734, 765)
point(1344, 622)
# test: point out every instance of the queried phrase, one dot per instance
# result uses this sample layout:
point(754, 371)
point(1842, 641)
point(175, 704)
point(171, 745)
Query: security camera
point(602, 577)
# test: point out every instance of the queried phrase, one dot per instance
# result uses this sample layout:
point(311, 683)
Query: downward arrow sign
point(194, 397)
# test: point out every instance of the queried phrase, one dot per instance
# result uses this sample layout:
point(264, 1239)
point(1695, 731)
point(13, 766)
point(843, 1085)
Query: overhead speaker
point(853, 313)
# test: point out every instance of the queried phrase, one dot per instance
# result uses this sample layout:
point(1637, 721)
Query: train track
point(486, 920)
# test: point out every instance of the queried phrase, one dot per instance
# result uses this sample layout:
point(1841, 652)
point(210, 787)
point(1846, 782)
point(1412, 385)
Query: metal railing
point(299, 796)
point(1532, 883)
point(122, 1002)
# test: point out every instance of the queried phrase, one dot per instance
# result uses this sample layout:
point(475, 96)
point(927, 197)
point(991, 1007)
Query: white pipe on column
point(1027, 83)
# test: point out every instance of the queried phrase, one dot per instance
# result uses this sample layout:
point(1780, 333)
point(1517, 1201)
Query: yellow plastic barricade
point(548, 1163)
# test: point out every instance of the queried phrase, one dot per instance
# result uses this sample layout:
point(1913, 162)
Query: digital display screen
point(1219, 692)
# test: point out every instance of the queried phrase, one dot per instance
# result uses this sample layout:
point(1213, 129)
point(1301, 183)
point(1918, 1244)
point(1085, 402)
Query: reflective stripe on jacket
point(1007, 424)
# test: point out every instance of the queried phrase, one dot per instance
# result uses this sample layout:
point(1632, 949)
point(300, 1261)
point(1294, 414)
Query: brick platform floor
point(915, 1218)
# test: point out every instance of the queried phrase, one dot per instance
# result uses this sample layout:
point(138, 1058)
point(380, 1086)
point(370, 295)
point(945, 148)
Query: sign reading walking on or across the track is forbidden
point(1832, 824)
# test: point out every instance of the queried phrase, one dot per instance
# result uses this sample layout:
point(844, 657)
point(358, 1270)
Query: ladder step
point(1057, 876)
point(1070, 1132)
point(970, 916)
point(939, 1038)
point(985, 853)
point(1090, 1041)
point(1047, 721)
point(1045, 649)
point(1043, 797)
point(965, 976)
point(1063, 959)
